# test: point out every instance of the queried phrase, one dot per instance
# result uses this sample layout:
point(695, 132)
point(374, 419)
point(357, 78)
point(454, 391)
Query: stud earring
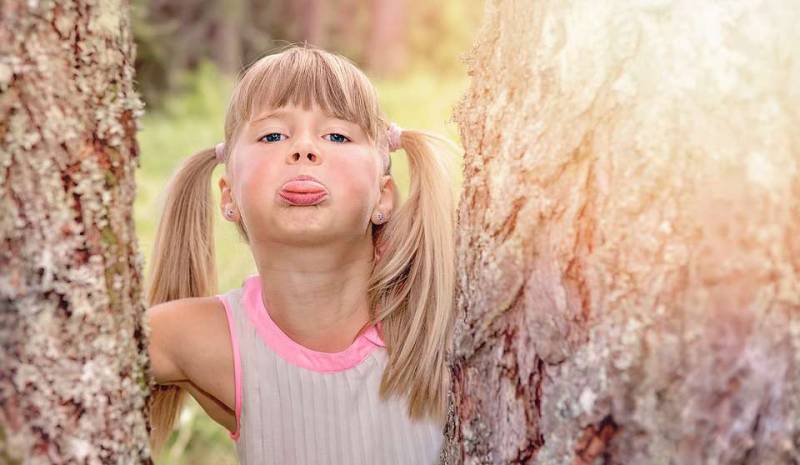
point(380, 217)
point(229, 212)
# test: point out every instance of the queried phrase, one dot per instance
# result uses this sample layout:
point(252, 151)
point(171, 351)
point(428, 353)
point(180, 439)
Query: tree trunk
point(310, 16)
point(386, 49)
point(629, 288)
point(226, 40)
point(74, 381)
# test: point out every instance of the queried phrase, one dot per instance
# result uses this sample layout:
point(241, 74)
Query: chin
point(303, 220)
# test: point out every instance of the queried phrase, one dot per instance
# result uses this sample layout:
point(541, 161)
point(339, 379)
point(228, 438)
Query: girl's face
point(281, 143)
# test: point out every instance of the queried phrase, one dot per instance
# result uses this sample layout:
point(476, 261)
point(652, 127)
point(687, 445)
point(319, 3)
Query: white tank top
point(298, 406)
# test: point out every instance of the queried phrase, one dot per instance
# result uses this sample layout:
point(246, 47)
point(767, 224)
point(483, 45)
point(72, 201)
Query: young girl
point(335, 351)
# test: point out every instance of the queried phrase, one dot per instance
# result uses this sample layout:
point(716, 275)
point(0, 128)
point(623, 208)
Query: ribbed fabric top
point(298, 406)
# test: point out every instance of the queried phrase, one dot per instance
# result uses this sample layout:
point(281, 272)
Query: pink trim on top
point(295, 353)
point(237, 370)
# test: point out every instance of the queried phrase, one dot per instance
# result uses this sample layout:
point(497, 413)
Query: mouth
point(303, 192)
point(303, 199)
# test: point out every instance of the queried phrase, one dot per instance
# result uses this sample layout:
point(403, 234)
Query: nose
point(304, 151)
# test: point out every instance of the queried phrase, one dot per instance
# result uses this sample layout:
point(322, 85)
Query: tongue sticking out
point(303, 192)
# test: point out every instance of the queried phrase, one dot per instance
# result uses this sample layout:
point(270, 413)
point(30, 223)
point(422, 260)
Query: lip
point(303, 184)
point(303, 190)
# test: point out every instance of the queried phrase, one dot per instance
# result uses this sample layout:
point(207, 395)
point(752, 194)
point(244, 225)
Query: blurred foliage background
point(188, 54)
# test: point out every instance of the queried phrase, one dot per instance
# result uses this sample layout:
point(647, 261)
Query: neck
point(316, 295)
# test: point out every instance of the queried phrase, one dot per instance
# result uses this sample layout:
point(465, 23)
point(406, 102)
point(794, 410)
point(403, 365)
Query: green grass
point(193, 121)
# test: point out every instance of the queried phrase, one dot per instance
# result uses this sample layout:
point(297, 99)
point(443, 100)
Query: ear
point(385, 203)
point(229, 210)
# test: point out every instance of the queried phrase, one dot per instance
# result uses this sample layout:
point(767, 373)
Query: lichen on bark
point(72, 342)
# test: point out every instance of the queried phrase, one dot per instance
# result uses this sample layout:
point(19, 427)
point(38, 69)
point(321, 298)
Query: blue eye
point(270, 134)
point(337, 134)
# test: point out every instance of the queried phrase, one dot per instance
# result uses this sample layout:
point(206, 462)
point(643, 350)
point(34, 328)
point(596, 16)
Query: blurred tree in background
point(383, 37)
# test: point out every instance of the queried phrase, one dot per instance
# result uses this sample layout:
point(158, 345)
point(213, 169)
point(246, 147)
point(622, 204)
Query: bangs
point(307, 77)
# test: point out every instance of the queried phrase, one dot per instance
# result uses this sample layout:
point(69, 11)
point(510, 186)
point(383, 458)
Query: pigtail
point(413, 283)
point(182, 266)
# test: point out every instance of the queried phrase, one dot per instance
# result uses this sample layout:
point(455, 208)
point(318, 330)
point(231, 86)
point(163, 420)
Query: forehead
point(289, 112)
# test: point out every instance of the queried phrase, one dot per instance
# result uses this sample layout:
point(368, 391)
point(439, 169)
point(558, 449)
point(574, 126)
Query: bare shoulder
point(191, 343)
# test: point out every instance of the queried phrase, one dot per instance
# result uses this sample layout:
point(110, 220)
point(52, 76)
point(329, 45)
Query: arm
point(190, 347)
point(165, 341)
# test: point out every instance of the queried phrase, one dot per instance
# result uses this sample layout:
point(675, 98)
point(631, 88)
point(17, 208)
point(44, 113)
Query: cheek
point(353, 181)
point(258, 181)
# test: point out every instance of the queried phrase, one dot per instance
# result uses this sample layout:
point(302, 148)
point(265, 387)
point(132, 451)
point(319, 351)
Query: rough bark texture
point(73, 383)
point(629, 235)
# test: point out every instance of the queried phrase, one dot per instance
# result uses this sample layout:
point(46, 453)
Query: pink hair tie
point(394, 132)
point(220, 151)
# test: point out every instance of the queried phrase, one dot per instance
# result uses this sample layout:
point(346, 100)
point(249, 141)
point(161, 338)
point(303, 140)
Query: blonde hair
point(411, 287)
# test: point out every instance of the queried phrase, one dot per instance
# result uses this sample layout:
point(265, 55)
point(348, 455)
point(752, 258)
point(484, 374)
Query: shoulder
point(192, 313)
point(182, 329)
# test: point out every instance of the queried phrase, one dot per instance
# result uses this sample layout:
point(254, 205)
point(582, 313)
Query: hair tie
point(394, 133)
point(220, 151)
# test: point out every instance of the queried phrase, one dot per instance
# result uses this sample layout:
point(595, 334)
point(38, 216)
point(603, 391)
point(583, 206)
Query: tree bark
point(629, 287)
point(74, 381)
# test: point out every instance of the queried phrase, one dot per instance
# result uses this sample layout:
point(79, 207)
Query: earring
point(229, 212)
point(380, 218)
